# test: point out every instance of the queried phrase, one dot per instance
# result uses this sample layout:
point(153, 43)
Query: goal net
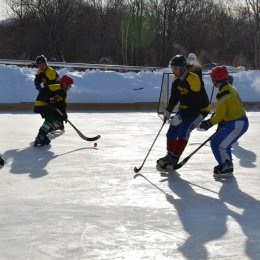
point(165, 93)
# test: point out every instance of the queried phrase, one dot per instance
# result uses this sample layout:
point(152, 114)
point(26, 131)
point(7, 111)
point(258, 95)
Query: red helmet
point(66, 80)
point(219, 73)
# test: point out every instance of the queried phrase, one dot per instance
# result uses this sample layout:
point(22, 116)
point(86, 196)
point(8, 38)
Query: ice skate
point(60, 128)
point(41, 140)
point(223, 171)
point(168, 162)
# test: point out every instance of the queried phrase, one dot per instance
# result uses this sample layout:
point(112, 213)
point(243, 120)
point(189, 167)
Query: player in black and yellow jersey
point(45, 74)
point(194, 65)
point(48, 100)
point(188, 91)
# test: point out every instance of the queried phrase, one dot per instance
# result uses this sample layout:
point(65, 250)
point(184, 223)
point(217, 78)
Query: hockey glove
point(175, 120)
point(205, 125)
point(166, 115)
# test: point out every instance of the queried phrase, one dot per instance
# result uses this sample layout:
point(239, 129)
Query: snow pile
point(95, 86)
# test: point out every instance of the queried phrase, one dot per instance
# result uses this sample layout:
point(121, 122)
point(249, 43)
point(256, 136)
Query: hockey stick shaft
point(180, 164)
point(77, 130)
point(139, 169)
point(211, 94)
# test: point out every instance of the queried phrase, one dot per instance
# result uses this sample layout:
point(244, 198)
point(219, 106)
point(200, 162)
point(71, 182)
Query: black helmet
point(178, 60)
point(41, 59)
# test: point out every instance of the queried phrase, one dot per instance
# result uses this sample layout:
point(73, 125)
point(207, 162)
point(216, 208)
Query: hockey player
point(189, 92)
point(45, 74)
point(2, 162)
point(234, 122)
point(49, 99)
point(230, 79)
point(194, 65)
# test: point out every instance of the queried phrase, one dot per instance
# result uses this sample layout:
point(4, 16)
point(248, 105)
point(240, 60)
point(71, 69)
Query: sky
point(96, 86)
point(3, 9)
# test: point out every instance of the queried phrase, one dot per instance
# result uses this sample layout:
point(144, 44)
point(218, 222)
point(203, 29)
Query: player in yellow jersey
point(194, 65)
point(48, 100)
point(45, 74)
point(234, 122)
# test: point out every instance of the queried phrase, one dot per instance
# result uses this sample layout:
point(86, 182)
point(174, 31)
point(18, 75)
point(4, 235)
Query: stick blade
point(180, 164)
point(136, 170)
point(92, 138)
point(89, 139)
point(177, 166)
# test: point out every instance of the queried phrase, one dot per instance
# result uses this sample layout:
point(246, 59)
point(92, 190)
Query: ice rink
point(73, 201)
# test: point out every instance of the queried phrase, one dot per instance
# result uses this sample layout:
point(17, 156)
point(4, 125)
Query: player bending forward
point(234, 122)
point(189, 94)
point(49, 100)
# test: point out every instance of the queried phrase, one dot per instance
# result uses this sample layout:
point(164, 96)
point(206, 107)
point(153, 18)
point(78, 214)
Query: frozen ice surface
point(72, 201)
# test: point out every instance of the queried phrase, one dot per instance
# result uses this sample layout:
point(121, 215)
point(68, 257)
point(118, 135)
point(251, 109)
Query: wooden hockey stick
point(89, 139)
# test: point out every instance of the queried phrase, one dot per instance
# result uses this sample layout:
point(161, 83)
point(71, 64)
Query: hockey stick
point(139, 169)
point(211, 95)
point(77, 130)
point(180, 164)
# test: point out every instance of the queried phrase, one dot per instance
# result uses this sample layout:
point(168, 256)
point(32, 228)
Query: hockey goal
point(164, 93)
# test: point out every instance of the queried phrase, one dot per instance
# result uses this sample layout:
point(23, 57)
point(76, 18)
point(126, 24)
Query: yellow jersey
point(229, 106)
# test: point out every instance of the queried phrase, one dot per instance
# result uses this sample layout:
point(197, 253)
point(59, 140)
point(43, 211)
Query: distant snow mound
point(235, 69)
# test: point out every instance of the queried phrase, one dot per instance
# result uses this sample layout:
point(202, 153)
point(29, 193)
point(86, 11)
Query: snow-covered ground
point(73, 201)
point(95, 86)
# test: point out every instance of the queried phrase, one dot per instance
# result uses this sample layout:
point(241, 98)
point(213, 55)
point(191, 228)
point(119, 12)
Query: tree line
point(133, 32)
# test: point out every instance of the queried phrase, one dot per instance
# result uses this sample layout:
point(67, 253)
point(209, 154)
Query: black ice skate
point(168, 162)
point(59, 128)
point(41, 140)
point(62, 127)
point(223, 171)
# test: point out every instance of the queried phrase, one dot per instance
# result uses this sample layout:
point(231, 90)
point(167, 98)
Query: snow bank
point(95, 86)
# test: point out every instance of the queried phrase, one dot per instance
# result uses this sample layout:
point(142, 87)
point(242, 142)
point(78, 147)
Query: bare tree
point(132, 32)
point(253, 7)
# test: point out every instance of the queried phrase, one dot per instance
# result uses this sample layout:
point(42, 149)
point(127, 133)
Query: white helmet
point(191, 58)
